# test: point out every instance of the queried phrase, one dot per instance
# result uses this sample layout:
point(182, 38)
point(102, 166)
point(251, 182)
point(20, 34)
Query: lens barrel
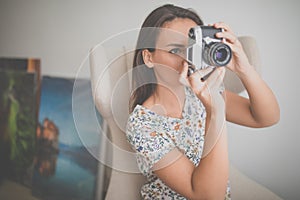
point(217, 54)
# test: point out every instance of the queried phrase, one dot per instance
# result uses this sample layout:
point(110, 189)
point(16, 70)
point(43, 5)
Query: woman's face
point(169, 54)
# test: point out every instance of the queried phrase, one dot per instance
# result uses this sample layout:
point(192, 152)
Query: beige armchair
point(110, 80)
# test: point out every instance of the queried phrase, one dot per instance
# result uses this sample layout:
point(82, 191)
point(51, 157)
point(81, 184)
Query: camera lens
point(221, 54)
point(217, 54)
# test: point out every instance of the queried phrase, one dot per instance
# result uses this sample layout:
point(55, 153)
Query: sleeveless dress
point(152, 136)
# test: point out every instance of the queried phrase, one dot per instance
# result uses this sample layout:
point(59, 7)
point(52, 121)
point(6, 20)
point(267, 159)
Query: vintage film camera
point(204, 49)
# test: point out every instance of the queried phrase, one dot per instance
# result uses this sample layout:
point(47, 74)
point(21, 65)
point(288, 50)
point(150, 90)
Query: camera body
point(205, 49)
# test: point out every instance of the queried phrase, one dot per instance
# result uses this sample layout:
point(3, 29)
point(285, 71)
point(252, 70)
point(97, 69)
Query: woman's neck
point(167, 101)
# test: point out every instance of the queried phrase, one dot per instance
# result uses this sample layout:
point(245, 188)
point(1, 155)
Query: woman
point(176, 125)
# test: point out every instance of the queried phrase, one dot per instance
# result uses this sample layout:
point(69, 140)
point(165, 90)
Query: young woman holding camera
point(177, 122)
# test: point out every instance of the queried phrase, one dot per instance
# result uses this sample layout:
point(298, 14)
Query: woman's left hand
point(239, 62)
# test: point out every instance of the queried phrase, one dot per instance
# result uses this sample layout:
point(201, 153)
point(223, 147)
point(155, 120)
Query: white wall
point(61, 32)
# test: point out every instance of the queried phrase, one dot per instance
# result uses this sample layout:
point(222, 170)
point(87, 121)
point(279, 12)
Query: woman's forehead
point(170, 36)
point(175, 31)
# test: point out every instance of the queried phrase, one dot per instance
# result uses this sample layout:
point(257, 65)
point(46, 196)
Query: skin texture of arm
point(260, 110)
point(206, 181)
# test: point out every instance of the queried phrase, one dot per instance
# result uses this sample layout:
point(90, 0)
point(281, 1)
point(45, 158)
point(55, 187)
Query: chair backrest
point(110, 86)
point(111, 80)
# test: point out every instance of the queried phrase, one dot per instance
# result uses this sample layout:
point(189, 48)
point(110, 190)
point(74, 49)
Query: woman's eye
point(176, 51)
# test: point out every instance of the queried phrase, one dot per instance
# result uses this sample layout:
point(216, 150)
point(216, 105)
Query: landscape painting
point(19, 98)
point(63, 167)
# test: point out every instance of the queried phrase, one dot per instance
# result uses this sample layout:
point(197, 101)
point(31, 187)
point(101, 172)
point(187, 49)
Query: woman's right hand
point(209, 90)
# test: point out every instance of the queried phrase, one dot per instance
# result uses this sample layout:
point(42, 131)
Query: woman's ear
point(147, 57)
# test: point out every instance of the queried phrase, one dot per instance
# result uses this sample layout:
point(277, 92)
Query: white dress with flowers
point(152, 136)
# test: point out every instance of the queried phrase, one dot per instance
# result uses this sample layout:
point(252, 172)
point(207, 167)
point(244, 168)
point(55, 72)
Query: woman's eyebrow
point(175, 45)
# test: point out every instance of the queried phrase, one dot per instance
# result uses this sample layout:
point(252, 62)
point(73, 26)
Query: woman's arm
point(261, 109)
point(206, 181)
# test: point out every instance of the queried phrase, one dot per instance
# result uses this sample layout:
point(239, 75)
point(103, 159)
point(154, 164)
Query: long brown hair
point(144, 80)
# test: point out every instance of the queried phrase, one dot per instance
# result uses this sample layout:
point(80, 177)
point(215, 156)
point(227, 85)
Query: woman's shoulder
point(141, 111)
point(141, 117)
point(141, 125)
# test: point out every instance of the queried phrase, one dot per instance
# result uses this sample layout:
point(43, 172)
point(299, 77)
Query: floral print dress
point(152, 136)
